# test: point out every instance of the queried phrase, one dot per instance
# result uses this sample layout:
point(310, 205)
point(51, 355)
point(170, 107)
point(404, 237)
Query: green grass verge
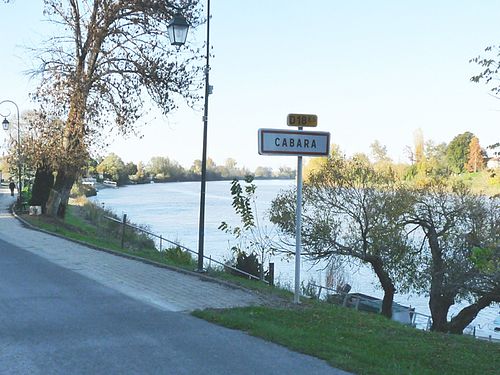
point(360, 342)
point(75, 227)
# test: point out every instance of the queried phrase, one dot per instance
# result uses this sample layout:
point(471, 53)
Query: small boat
point(109, 183)
point(363, 302)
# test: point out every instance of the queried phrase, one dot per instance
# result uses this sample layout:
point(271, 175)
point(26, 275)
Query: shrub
point(82, 190)
point(180, 256)
point(247, 263)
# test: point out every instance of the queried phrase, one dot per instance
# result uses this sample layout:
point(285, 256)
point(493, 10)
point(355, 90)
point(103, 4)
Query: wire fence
point(123, 224)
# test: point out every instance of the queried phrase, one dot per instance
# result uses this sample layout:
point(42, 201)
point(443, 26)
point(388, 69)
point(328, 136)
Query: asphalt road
point(56, 321)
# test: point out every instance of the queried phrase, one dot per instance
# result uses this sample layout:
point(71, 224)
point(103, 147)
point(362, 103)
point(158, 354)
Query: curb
point(136, 258)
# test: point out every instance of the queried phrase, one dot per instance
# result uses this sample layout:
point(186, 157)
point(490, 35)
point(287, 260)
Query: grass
point(102, 234)
point(360, 342)
point(351, 340)
point(485, 182)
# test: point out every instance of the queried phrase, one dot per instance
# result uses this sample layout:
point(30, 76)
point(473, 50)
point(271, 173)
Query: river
point(172, 210)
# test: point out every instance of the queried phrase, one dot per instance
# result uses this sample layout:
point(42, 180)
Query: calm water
point(172, 209)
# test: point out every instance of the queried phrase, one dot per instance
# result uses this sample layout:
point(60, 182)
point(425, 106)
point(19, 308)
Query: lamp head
point(5, 124)
point(177, 30)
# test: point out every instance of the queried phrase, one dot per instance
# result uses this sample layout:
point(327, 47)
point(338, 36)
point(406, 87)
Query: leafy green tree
point(165, 169)
point(317, 163)
point(435, 156)
point(41, 148)
point(91, 167)
point(457, 153)
point(130, 169)
point(112, 167)
point(196, 168)
point(350, 210)
point(487, 259)
point(231, 170)
point(213, 172)
point(454, 223)
point(284, 172)
point(263, 172)
point(312, 166)
point(379, 152)
point(140, 175)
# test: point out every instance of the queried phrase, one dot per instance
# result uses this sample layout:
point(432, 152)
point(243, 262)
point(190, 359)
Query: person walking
point(12, 186)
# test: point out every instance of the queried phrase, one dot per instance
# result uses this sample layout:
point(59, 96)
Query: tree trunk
point(75, 149)
point(386, 283)
point(44, 180)
point(439, 300)
point(59, 195)
point(469, 313)
point(439, 306)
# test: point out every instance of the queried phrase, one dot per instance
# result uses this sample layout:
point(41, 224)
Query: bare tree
point(95, 73)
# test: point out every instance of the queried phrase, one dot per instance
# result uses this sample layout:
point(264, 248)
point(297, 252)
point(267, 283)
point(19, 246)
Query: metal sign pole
point(299, 143)
point(298, 229)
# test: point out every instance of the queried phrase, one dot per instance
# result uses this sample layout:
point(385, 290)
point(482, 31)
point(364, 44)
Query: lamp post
point(5, 125)
point(201, 229)
point(177, 29)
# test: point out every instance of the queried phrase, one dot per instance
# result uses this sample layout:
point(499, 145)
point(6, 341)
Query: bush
point(247, 263)
point(82, 190)
point(179, 256)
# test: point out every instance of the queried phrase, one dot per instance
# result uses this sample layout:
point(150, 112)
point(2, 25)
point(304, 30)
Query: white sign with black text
point(292, 142)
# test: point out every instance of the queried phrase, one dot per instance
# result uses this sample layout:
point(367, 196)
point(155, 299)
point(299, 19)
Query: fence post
point(271, 274)
point(161, 238)
point(123, 227)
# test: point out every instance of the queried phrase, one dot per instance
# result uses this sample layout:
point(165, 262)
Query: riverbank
point(354, 341)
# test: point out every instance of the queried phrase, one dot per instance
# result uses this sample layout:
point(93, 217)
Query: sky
point(370, 70)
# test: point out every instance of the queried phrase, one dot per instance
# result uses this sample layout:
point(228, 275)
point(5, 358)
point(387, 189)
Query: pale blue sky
point(369, 70)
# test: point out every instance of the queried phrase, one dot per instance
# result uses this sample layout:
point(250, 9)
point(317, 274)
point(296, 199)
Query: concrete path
point(166, 289)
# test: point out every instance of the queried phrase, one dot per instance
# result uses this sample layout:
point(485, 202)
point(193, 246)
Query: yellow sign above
point(297, 119)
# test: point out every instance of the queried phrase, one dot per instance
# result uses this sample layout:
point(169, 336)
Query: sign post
point(298, 229)
point(299, 143)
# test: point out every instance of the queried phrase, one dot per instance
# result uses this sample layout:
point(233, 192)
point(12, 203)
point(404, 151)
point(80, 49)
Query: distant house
point(493, 163)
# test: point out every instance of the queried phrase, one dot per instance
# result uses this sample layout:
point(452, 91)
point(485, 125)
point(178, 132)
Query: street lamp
point(177, 29)
point(5, 125)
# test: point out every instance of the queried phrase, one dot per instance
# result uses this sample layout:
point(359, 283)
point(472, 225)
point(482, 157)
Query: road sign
point(297, 119)
point(296, 143)
point(293, 142)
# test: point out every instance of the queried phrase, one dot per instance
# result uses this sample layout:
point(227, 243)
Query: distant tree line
point(164, 169)
point(463, 157)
